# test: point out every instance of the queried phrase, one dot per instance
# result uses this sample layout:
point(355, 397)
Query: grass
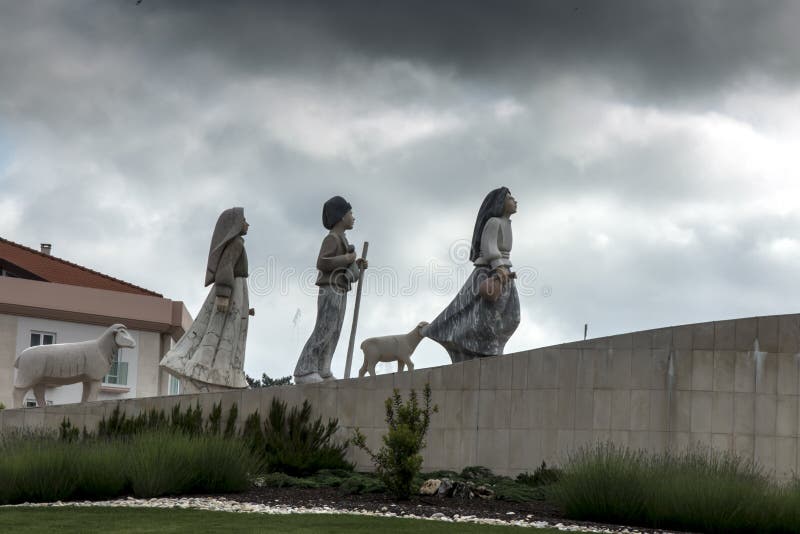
point(40, 469)
point(143, 520)
point(698, 490)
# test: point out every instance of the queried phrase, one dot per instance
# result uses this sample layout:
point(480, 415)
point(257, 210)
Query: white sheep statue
point(69, 363)
point(397, 348)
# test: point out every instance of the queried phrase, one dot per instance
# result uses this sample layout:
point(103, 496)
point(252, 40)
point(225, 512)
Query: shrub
point(696, 490)
point(38, 467)
point(399, 460)
point(291, 442)
point(542, 476)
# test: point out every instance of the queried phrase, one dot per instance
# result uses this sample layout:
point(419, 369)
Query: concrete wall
point(731, 385)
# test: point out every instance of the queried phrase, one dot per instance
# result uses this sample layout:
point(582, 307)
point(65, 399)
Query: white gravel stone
point(224, 505)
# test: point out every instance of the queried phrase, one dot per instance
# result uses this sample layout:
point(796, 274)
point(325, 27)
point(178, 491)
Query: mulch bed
point(529, 511)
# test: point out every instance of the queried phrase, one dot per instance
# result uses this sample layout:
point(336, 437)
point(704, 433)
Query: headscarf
point(229, 226)
point(492, 206)
point(334, 210)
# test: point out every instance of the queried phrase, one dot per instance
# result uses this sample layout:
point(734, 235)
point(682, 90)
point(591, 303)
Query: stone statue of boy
point(338, 270)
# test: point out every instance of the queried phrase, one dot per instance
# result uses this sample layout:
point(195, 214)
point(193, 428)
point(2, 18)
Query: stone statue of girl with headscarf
point(338, 270)
point(210, 355)
point(485, 312)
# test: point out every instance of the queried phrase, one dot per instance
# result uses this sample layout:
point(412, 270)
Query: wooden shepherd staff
point(349, 361)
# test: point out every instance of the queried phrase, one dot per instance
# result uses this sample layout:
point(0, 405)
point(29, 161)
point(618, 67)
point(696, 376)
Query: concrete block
point(724, 370)
point(681, 411)
point(460, 448)
point(584, 409)
point(722, 442)
point(746, 332)
point(519, 372)
point(434, 452)
point(700, 439)
point(659, 414)
point(550, 452)
point(744, 445)
point(620, 369)
point(620, 409)
point(453, 375)
point(744, 413)
point(765, 452)
point(789, 333)
point(565, 444)
point(524, 450)
point(657, 442)
point(403, 381)
point(568, 369)
point(786, 417)
point(642, 340)
point(725, 335)
point(785, 457)
point(602, 410)
point(437, 379)
point(621, 341)
point(488, 408)
point(722, 412)
point(566, 409)
point(585, 374)
point(640, 410)
point(347, 406)
point(549, 371)
point(701, 412)
point(703, 336)
point(470, 408)
point(502, 408)
point(549, 400)
point(535, 379)
point(369, 410)
point(378, 410)
point(679, 441)
point(703, 370)
point(768, 334)
point(496, 372)
point(682, 337)
point(603, 369)
point(472, 373)
point(641, 368)
point(620, 438)
point(766, 380)
point(662, 339)
point(582, 439)
point(638, 440)
point(659, 378)
point(453, 409)
point(744, 373)
point(766, 415)
point(419, 378)
point(328, 402)
point(493, 449)
point(518, 416)
point(683, 368)
point(787, 374)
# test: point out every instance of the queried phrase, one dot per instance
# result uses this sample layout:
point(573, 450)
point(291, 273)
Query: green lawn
point(73, 519)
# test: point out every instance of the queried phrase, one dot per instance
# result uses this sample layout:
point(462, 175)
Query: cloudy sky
point(654, 149)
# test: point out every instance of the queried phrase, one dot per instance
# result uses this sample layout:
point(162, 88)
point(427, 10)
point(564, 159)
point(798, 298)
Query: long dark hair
point(492, 206)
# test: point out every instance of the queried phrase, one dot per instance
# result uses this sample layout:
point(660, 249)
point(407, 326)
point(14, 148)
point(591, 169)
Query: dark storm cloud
point(672, 49)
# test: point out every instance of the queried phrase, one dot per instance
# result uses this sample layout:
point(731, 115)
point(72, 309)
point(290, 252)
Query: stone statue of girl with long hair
point(210, 355)
point(485, 312)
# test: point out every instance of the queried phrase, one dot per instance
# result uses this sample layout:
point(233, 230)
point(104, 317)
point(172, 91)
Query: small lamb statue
point(390, 348)
point(68, 363)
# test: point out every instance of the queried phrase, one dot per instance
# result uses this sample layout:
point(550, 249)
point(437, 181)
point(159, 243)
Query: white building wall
point(145, 352)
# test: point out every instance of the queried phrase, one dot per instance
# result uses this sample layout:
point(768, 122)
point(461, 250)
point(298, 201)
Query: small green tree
point(399, 460)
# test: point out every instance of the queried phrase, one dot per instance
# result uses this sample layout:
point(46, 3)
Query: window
point(42, 338)
point(118, 374)
point(174, 386)
point(30, 402)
